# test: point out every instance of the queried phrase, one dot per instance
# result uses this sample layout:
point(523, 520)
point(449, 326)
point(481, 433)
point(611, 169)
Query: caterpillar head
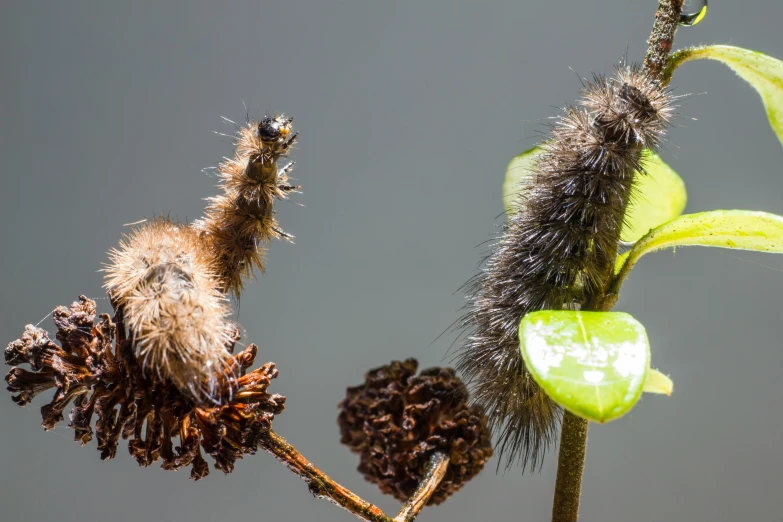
point(637, 101)
point(274, 129)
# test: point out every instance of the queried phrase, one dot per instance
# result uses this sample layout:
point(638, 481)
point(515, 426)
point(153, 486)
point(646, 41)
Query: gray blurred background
point(408, 112)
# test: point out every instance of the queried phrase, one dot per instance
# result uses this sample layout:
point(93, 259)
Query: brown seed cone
point(396, 420)
point(96, 369)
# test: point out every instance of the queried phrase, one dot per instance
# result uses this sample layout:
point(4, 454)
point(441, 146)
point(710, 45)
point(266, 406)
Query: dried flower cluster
point(396, 420)
point(96, 368)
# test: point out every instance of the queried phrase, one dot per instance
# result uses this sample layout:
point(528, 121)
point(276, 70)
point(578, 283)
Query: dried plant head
point(241, 218)
point(163, 279)
point(96, 368)
point(396, 419)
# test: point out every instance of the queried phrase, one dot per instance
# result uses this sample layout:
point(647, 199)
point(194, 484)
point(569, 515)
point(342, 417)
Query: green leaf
point(593, 364)
point(658, 383)
point(763, 72)
point(659, 194)
point(518, 170)
point(738, 229)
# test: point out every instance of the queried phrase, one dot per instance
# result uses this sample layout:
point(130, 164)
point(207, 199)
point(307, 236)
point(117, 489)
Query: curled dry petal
point(94, 369)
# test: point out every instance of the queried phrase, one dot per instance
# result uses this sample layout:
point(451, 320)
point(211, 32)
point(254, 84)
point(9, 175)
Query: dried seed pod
point(396, 420)
point(97, 369)
point(557, 247)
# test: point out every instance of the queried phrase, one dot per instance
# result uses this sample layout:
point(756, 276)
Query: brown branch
point(667, 19)
point(320, 484)
point(436, 469)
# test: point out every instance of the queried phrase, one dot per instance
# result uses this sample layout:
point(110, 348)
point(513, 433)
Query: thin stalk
point(570, 468)
point(320, 484)
point(680, 57)
point(573, 437)
point(436, 469)
point(667, 19)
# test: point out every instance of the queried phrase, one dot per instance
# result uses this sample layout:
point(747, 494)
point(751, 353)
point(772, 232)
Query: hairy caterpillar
point(172, 281)
point(557, 247)
point(241, 217)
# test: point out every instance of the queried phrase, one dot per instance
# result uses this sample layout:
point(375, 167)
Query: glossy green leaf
point(659, 194)
point(763, 72)
point(737, 229)
point(518, 169)
point(658, 383)
point(593, 364)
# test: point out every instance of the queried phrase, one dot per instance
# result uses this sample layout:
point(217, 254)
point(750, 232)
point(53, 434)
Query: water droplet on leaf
point(693, 12)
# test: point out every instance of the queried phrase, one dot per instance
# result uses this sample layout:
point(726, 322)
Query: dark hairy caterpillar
point(557, 248)
point(171, 281)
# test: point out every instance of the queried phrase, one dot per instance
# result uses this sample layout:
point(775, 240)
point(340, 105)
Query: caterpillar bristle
point(171, 281)
point(556, 248)
point(163, 278)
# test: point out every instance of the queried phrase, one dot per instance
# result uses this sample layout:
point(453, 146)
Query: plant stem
point(570, 468)
point(667, 19)
point(660, 64)
point(573, 437)
point(320, 484)
point(436, 469)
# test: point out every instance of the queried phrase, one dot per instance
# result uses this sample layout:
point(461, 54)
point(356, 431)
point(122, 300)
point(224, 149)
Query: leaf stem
point(631, 258)
point(436, 469)
point(680, 57)
point(570, 468)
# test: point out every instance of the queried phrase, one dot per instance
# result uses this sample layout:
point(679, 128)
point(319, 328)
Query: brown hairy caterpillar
point(558, 245)
point(171, 281)
point(241, 217)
